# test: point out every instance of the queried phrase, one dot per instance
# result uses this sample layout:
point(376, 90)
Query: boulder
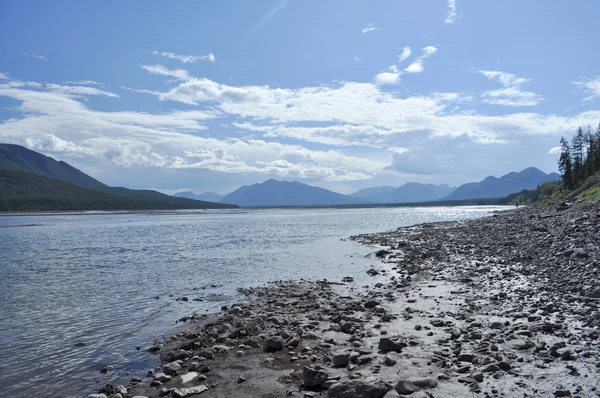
point(171, 368)
point(341, 359)
point(273, 344)
point(358, 389)
point(386, 344)
point(186, 392)
point(406, 387)
point(314, 376)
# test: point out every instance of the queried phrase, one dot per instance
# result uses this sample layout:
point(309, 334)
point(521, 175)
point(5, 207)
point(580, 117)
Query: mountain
point(32, 181)
point(410, 192)
point(492, 187)
point(206, 196)
point(16, 157)
point(285, 193)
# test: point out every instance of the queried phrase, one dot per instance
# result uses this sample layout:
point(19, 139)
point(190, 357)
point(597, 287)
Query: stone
point(389, 361)
point(314, 376)
point(358, 389)
point(341, 359)
point(492, 367)
point(171, 368)
point(372, 272)
point(240, 380)
point(424, 382)
point(186, 392)
point(162, 377)
point(193, 366)
point(505, 366)
point(371, 303)
point(562, 393)
point(465, 357)
point(186, 378)
point(406, 387)
point(386, 344)
point(273, 344)
point(97, 396)
point(477, 376)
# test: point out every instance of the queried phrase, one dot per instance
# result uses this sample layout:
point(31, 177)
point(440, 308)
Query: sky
point(211, 95)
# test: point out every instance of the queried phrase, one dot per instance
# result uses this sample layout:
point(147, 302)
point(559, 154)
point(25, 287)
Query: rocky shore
point(505, 306)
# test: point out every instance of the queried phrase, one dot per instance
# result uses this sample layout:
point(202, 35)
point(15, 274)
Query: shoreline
point(498, 306)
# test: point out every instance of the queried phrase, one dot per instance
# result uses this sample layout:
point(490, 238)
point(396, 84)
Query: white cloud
point(186, 58)
point(84, 83)
point(406, 52)
point(384, 78)
point(369, 28)
point(356, 58)
point(590, 86)
point(555, 150)
point(451, 16)
point(54, 121)
point(511, 94)
point(180, 74)
point(79, 90)
point(36, 56)
point(3, 76)
point(417, 66)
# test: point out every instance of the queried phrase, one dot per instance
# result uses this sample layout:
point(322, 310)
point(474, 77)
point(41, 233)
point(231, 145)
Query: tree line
point(580, 158)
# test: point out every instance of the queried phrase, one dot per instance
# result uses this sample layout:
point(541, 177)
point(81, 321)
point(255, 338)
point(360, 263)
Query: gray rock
point(273, 344)
point(562, 393)
point(425, 382)
point(341, 359)
point(465, 357)
point(97, 396)
point(492, 367)
point(389, 361)
point(386, 344)
point(162, 377)
point(406, 387)
point(358, 389)
point(371, 303)
point(314, 376)
point(171, 368)
point(186, 392)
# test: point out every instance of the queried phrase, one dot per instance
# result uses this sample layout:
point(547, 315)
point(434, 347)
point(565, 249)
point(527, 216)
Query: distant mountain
point(32, 181)
point(492, 187)
point(410, 192)
point(206, 196)
point(16, 157)
point(285, 193)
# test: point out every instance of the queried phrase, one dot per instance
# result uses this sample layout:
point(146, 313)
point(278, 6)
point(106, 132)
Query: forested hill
point(33, 181)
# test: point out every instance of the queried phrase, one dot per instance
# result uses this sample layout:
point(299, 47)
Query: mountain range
point(493, 187)
point(285, 193)
point(408, 193)
point(32, 181)
point(206, 196)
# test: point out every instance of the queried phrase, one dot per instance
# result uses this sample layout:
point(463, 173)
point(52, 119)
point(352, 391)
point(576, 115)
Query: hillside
point(16, 157)
point(24, 191)
point(206, 196)
point(285, 193)
point(407, 193)
point(493, 187)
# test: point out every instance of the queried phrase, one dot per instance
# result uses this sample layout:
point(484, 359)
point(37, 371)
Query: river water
point(81, 291)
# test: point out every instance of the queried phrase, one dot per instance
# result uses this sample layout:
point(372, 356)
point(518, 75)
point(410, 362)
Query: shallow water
point(78, 292)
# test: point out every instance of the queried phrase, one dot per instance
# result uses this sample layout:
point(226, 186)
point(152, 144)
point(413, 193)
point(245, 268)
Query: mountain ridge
point(34, 181)
point(406, 193)
point(273, 193)
point(513, 182)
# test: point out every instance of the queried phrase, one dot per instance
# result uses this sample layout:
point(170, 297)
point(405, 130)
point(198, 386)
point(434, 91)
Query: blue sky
point(207, 96)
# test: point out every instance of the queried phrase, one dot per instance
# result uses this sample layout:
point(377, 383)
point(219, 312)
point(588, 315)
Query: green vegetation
point(24, 191)
point(581, 159)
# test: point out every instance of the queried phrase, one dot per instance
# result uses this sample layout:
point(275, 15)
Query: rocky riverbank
point(505, 306)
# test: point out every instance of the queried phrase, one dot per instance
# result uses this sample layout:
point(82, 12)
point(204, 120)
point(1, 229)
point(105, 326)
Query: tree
point(590, 155)
point(577, 153)
point(597, 149)
point(564, 163)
